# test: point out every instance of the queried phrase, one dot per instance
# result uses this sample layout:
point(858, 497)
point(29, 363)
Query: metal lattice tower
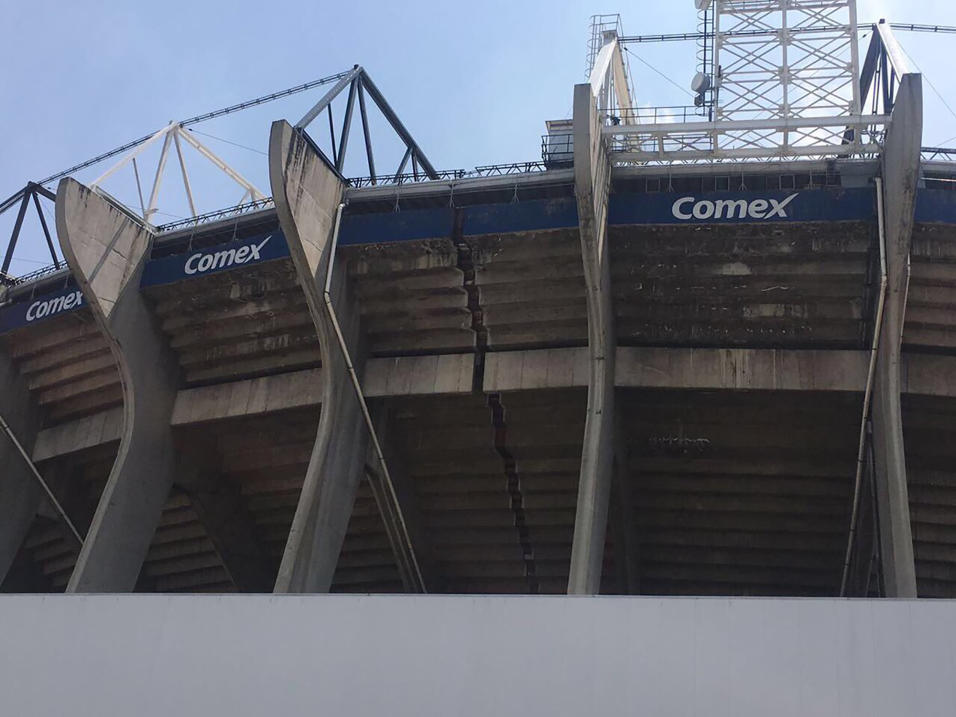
point(785, 59)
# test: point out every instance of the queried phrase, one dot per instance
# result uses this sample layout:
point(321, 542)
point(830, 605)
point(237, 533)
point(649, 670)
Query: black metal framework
point(30, 194)
point(881, 73)
point(359, 85)
point(939, 154)
point(449, 175)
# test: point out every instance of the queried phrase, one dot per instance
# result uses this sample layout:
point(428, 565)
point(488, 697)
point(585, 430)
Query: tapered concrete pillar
point(900, 165)
point(307, 194)
point(592, 174)
point(106, 249)
point(20, 494)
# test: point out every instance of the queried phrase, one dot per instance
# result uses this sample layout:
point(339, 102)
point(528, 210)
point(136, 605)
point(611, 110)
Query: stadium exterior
point(622, 374)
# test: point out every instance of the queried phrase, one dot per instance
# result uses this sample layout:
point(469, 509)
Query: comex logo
point(43, 308)
point(202, 262)
point(689, 208)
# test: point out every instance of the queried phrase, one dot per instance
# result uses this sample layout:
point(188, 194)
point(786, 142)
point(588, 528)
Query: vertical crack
point(514, 490)
point(466, 263)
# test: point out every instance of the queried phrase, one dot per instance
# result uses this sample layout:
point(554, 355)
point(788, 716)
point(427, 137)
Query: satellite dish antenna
point(701, 83)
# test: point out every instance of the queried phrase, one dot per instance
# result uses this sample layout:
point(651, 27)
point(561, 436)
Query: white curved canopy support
point(173, 135)
point(609, 76)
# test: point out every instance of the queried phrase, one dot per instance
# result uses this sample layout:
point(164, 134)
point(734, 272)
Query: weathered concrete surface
point(532, 369)
point(401, 514)
point(86, 432)
point(536, 368)
point(418, 375)
point(744, 369)
point(307, 194)
point(928, 375)
point(592, 175)
point(243, 399)
point(900, 164)
point(219, 507)
point(20, 494)
point(106, 249)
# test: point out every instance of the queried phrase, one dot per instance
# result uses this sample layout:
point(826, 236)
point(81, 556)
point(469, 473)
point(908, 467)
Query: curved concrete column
point(20, 494)
point(307, 194)
point(106, 249)
point(592, 175)
point(900, 165)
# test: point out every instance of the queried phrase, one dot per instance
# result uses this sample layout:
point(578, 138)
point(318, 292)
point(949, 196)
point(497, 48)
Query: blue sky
point(474, 82)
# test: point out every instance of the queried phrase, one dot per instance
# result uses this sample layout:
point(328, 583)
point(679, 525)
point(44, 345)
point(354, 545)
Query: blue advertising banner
point(37, 308)
point(408, 225)
point(214, 259)
point(936, 206)
point(806, 205)
point(529, 215)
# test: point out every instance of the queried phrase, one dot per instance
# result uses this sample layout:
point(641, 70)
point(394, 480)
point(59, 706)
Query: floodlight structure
point(787, 60)
point(781, 81)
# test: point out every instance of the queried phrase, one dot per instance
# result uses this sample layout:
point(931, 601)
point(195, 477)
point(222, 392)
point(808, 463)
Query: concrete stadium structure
point(616, 375)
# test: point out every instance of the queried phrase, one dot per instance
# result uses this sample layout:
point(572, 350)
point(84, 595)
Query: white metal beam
point(225, 168)
point(781, 125)
point(182, 166)
point(136, 152)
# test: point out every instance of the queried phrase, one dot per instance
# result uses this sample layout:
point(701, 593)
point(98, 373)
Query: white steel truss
point(786, 86)
point(173, 135)
point(785, 59)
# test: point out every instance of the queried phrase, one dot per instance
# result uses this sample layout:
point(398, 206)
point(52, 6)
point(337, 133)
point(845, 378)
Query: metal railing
point(938, 154)
point(217, 215)
point(8, 280)
point(657, 115)
point(488, 170)
point(557, 150)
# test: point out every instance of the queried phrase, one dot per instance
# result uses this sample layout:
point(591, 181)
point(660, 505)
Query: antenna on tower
point(705, 82)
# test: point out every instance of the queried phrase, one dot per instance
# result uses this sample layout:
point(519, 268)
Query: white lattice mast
point(785, 60)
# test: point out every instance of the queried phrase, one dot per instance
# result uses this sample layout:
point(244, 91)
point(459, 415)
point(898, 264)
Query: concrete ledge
point(742, 369)
point(928, 375)
point(251, 397)
point(721, 369)
point(534, 369)
point(413, 375)
point(78, 435)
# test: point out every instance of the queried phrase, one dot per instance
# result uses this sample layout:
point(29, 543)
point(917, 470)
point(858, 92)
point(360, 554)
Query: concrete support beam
point(742, 369)
point(403, 508)
point(525, 370)
point(418, 375)
point(20, 494)
point(106, 249)
point(928, 375)
point(900, 165)
point(536, 369)
point(78, 435)
point(307, 194)
point(219, 506)
point(251, 397)
point(592, 175)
